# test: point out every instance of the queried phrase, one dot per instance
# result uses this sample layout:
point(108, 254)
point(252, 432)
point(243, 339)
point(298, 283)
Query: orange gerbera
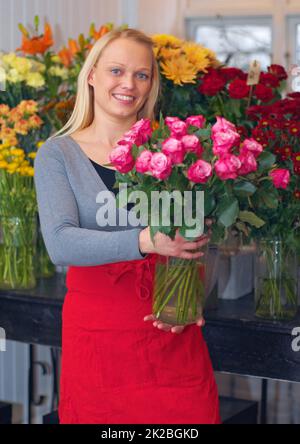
point(38, 44)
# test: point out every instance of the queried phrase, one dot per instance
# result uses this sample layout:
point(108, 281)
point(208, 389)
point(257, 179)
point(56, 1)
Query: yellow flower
point(17, 152)
point(55, 59)
point(35, 80)
point(32, 155)
point(168, 53)
point(59, 71)
point(179, 70)
point(10, 58)
point(12, 167)
point(199, 56)
point(3, 164)
point(27, 171)
point(4, 110)
point(22, 65)
point(39, 144)
point(166, 40)
point(27, 106)
point(14, 76)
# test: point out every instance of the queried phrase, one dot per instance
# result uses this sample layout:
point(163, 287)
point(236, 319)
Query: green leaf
point(268, 199)
point(251, 219)
point(244, 189)
point(209, 203)
point(266, 160)
point(228, 212)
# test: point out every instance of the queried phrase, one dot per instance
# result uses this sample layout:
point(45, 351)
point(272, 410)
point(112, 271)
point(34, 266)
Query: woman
point(116, 368)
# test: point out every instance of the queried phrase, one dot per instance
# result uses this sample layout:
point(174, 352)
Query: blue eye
point(114, 70)
point(143, 76)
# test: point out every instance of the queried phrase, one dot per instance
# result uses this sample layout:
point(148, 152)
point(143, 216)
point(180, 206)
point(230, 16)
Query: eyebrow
point(121, 64)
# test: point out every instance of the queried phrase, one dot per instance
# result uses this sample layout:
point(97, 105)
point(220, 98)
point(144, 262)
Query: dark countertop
point(238, 341)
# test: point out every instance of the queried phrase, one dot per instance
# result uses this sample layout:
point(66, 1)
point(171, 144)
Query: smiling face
point(122, 78)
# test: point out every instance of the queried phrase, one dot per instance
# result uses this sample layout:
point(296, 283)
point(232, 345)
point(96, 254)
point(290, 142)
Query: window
point(236, 40)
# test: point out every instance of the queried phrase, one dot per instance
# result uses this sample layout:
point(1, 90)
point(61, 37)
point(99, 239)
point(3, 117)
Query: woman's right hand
point(165, 246)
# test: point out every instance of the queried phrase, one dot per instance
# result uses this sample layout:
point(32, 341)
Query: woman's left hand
point(170, 327)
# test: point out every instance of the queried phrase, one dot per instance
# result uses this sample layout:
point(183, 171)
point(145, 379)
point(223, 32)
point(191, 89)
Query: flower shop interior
point(237, 60)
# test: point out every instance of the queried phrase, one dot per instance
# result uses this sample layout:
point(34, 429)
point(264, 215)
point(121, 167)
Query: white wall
point(67, 17)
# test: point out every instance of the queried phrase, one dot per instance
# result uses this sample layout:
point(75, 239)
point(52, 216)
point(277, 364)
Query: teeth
point(127, 98)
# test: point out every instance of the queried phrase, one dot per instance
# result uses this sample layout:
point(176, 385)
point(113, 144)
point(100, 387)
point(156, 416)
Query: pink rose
point(248, 163)
point(173, 148)
point(280, 178)
point(160, 166)
point(227, 167)
point(224, 141)
point(197, 121)
point(199, 172)
point(191, 143)
point(143, 128)
point(252, 146)
point(121, 158)
point(178, 129)
point(170, 120)
point(131, 137)
point(222, 125)
point(142, 164)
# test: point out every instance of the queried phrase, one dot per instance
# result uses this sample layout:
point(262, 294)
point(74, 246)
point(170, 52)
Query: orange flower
point(73, 47)
point(98, 34)
point(66, 55)
point(38, 44)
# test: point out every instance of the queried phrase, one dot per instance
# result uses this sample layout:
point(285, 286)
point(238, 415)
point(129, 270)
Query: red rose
point(278, 71)
point(268, 79)
point(294, 95)
point(232, 73)
point(212, 83)
point(238, 89)
point(263, 93)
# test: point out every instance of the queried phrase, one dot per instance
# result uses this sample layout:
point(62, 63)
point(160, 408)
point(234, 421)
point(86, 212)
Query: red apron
point(119, 369)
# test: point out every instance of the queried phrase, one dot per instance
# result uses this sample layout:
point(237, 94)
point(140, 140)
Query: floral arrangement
point(192, 155)
point(181, 63)
point(226, 91)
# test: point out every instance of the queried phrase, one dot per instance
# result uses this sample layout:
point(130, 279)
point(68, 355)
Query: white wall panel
point(67, 17)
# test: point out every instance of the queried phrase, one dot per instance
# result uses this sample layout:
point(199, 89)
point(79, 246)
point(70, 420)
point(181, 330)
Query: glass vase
point(17, 252)
point(182, 286)
point(44, 267)
point(275, 280)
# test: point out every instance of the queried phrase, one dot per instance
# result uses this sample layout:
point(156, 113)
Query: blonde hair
point(83, 112)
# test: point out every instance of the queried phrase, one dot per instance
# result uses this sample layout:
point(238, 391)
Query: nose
point(128, 82)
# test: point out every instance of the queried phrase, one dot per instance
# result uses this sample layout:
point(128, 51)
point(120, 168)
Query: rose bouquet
point(185, 158)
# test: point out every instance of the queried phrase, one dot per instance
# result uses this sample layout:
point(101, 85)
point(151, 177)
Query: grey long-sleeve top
point(67, 185)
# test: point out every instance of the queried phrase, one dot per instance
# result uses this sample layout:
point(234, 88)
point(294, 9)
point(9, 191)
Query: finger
point(177, 329)
point(200, 322)
point(164, 327)
point(208, 222)
point(150, 317)
point(186, 255)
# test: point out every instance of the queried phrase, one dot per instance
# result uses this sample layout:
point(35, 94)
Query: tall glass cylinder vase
point(275, 280)
point(44, 267)
point(183, 285)
point(17, 252)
